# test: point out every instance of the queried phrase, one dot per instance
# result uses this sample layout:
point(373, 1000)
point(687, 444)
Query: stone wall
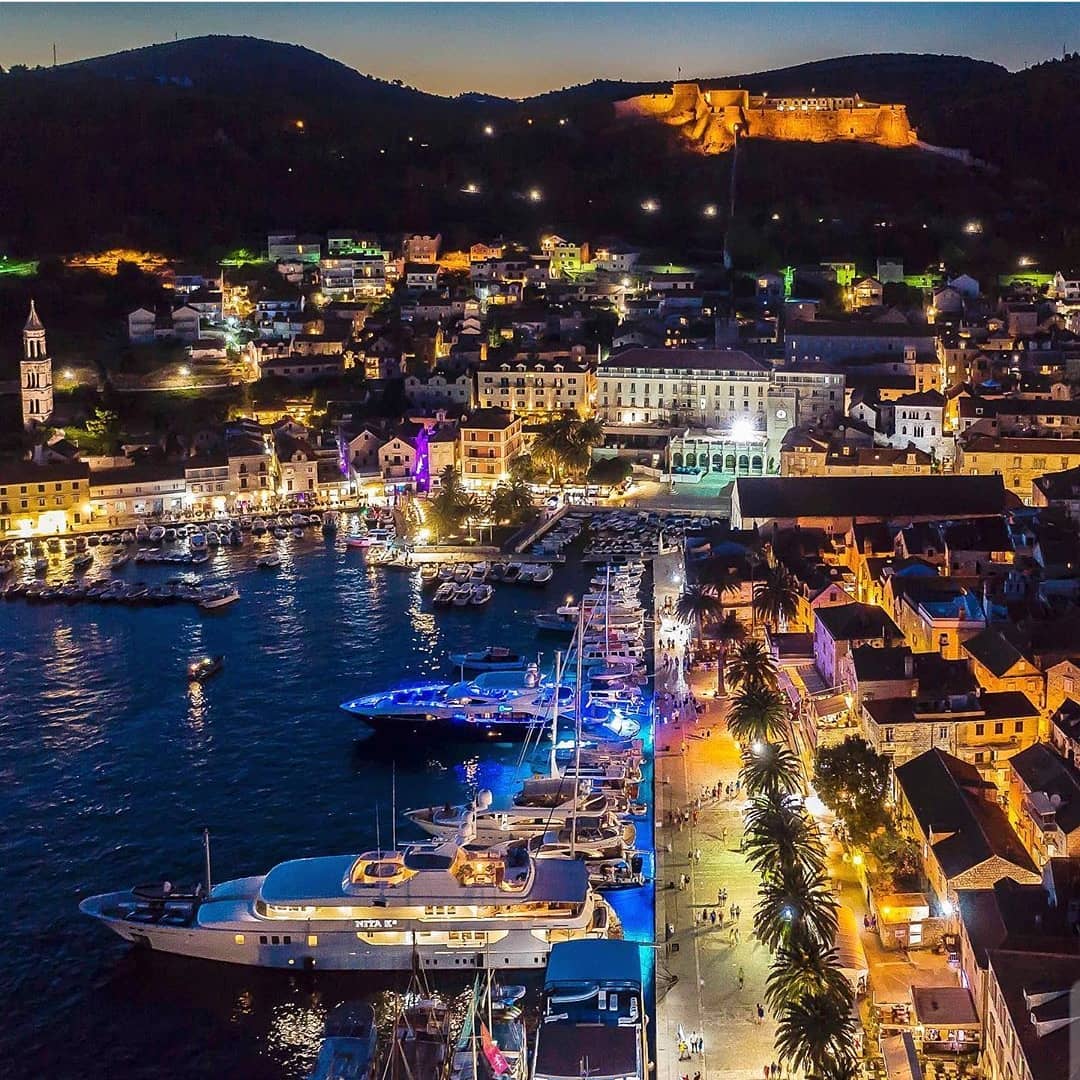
point(709, 120)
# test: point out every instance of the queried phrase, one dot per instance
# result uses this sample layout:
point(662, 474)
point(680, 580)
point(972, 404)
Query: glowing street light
point(776, 217)
point(68, 373)
point(535, 195)
point(710, 210)
point(471, 188)
point(489, 130)
point(650, 206)
point(184, 371)
point(742, 429)
point(1025, 260)
point(973, 228)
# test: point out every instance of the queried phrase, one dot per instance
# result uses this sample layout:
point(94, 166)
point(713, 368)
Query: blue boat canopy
point(589, 961)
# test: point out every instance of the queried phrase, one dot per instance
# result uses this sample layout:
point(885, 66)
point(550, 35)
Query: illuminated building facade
point(35, 373)
point(43, 499)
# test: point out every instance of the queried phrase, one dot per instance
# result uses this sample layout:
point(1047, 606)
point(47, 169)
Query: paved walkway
point(699, 963)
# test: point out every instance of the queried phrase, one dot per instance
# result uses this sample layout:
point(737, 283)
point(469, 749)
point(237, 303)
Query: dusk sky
point(521, 49)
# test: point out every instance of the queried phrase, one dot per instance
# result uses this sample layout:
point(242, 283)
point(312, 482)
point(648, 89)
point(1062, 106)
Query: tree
point(720, 576)
point(696, 607)
point(780, 833)
point(510, 503)
point(770, 769)
point(852, 780)
point(816, 1034)
point(794, 899)
point(563, 447)
point(899, 855)
point(610, 472)
point(727, 631)
point(802, 968)
point(757, 714)
point(524, 469)
point(776, 595)
point(103, 426)
point(751, 664)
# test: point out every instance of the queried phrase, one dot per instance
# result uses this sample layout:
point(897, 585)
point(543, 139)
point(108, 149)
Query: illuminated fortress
point(709, 119)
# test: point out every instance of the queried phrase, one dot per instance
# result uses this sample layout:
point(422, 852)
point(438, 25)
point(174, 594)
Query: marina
point(589, 863)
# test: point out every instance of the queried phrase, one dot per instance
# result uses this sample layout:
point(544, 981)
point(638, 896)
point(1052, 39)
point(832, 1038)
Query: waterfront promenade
point(699, 963)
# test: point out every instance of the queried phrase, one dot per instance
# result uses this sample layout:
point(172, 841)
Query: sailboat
point(491, 1045)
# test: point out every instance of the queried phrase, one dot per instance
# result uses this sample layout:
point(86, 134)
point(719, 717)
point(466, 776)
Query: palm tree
point(697, 606)
point(727, 631)
point(752, 665)
point(771, 769)
point(565, 445)
point(779, 833)
point(802, 968)
point(816, 1034)
point(719, 576)
point(758, 713)
point(792, 900)
point(510, 502)
point(776, 595)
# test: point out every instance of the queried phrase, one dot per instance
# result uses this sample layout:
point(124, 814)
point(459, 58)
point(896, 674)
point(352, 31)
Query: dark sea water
point(110, 764)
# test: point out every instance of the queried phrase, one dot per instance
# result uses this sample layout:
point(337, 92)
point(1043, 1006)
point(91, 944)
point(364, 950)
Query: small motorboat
point(170, 535)
point(512, 572)
point(82, 561)
point(539, 575)
point(41, 566)
point(198, 542)
point(479, 572)
point(219, 598)
point(444, 594)
point(142, 532)
point(462, 573)
point(497, 571)
point(429, 574)
point(157, 534)
point(350, 1044)
point(6, 566)
point(270, 561)
point(481, 594)
point(127, 538)
point(258, 526)
point(199, 558)
point(462, 594)
point(493, 658)
point(203, 669)
point(213, 538)
point(358, 540)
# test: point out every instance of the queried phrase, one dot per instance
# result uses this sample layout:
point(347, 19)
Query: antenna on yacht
point(577, 727)
point(378, 837)
point(393, 804)
point(206, 856)
point(555, 711)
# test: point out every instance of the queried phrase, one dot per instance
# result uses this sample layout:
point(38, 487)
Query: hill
point(193, 145)
point(248, 67)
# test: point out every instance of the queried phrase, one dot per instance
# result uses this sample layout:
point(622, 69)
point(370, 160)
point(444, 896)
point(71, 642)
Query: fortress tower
point(35, 371)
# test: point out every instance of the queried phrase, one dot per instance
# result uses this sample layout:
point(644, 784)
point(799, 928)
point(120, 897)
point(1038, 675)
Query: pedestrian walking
point(712, 917)
point(697, 855)
point(760, 1018)
point(742, 978)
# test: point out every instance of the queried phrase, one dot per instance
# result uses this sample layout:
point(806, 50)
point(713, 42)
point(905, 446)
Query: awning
point(900, 1060)
point(830, 706)
point(850, 954)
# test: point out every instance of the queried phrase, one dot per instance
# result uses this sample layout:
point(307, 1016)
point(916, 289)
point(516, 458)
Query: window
point(275, 940)
point(1018, 727)
point(943, 733)
point(890, 734)
point(238, 938)
point(999, 728)
point(312, 940)
point(979, 729)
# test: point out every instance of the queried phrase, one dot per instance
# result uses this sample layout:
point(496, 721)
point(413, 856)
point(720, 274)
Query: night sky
point(521, 49)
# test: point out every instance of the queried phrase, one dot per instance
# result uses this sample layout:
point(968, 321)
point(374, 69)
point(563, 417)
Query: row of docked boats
point(464, 595)
point(513, 572)
point(115, 591)
point(638, 534)
point(592, 1022)
point(559, 537)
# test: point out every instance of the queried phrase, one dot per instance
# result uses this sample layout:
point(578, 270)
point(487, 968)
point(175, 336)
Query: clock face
point(781, 414)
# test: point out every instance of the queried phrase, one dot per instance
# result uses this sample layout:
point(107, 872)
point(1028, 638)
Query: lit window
point(239, 939)
point(312, 940)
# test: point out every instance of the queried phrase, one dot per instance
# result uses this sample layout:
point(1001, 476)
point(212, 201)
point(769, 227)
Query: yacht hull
point(252, 942)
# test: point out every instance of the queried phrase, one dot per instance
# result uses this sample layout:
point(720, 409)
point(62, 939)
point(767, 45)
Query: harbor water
point(111, 764)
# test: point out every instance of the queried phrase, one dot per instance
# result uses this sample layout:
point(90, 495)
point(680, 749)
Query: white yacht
point(517, 822)
point(442, 907)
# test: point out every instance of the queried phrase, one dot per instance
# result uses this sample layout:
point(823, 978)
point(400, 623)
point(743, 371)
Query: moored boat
point(350, 1046)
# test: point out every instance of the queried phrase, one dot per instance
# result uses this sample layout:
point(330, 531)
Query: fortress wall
point(708, 121)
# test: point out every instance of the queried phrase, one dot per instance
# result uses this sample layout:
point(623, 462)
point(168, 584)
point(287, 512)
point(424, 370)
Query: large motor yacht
point(444, 907)
point(470, 710)
point(592, 1020)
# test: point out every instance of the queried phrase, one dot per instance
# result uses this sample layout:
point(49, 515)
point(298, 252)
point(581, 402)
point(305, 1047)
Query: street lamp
point(535, 195)
point(184, 371)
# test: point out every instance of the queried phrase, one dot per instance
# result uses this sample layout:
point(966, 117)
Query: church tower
point(36, 373)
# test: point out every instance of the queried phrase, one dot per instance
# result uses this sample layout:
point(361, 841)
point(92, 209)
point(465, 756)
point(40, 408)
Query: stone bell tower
point(36, 381)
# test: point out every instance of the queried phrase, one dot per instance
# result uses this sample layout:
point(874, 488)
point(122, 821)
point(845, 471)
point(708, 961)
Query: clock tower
point(35, 371)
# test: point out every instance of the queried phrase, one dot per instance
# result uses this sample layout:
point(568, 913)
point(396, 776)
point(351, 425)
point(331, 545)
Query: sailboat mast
point(555, 711)
point(393, 804)
point(577, 728)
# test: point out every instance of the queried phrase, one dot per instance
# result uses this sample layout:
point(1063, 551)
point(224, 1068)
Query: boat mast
point(577, 729)
point(555, 711)
point(393, 804)
point(206, 855)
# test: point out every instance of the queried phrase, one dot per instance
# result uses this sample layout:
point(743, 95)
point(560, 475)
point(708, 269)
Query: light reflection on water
point(110, 762)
